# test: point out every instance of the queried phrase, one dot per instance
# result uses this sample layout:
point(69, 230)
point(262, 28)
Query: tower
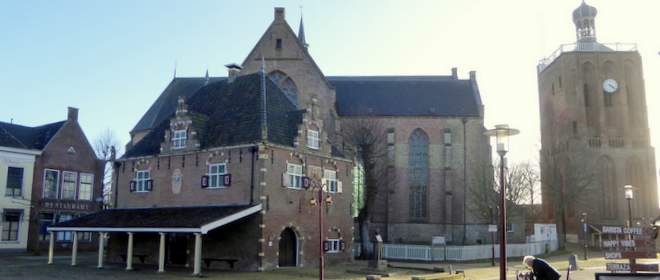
point(594, 131)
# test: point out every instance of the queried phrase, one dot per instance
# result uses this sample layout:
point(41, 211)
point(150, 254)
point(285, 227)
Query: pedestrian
point(541, 269)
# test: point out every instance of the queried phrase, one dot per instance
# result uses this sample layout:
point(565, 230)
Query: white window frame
point(218, 175)
point(334, 246)
point(20, 189)
point(91, 186)
point(179, 139)
point(313, 139)
point(447, 138)
point(330, 177)
point(57, 184)
point(18, 225)
point(295, 172)
point(75, 185)
point(141, 182)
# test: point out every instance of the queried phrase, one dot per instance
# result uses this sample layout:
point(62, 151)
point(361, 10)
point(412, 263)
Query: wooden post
point(51, 247)
point(197, 270)
point(74, 249)
point(161, 253)
point(129, 254)
point(101, 248)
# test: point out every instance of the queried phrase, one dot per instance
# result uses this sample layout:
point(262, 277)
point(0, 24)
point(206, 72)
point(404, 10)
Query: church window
point(418, 170)
point(559, 81)
point(575, 128)
point(179, 139)
point(607, 99)
point(313, 139)
point(553, 88)
point(286, 85)
point(585, 91)
point(278, 43)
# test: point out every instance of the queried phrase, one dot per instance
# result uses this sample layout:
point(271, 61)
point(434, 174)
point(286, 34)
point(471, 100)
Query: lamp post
point(585, 229)
point(628, 194)
point(319, 201)
point(501, 132)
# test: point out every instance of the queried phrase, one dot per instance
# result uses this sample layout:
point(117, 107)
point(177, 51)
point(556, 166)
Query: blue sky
point(112, 58)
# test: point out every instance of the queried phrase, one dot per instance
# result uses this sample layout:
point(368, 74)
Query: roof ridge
point(14, 137)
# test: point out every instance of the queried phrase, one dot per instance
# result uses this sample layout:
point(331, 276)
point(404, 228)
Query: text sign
point(627, 244)
point(624, 230)
point(626, 267)
point(438, 240)
point(492, 228)
point(628, 255)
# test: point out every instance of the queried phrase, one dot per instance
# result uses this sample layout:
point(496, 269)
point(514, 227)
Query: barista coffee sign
point(630, 243)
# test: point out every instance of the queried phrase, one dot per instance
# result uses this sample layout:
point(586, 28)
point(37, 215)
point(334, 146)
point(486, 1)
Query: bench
point(141, 257)
point(208, 261)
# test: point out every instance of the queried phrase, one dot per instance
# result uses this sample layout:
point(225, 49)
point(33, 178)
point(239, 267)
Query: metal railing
point(585, 47)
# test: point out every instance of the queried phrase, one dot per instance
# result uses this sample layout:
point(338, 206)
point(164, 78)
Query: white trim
point(219, 185)
point(20, 151)
point(75, 185)
point(233, 217)
point(107, 229)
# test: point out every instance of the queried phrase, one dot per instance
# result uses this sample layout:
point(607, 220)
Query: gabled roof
point(234, 112)
point(162, 109)
point(406, 96)
point(24, 137)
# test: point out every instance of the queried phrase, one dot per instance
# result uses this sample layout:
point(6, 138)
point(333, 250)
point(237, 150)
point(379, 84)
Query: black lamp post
point(501, 132)
point(585, 229)
point(628, 194)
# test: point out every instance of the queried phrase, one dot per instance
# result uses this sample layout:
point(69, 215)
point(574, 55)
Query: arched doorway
point(288, 248)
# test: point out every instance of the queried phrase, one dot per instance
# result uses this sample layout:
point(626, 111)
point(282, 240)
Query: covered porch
point(157, 222)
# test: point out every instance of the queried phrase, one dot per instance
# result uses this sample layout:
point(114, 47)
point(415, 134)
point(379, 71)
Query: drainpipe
point(116, 174)
point(464, 120)
point(253, 150)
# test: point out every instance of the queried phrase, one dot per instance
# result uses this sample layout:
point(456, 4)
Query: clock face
point(610, 85)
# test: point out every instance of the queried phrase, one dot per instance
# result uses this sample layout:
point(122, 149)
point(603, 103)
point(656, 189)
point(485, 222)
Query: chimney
point(72, 114)
point(233, 70)
point(454, 73)
point(279, 14)
point(473, 76)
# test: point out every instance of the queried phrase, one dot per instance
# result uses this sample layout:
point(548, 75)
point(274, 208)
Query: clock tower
point(594, 132)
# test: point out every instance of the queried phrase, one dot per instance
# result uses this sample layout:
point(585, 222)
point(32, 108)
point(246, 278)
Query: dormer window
point(313, 139)
point(179, 139)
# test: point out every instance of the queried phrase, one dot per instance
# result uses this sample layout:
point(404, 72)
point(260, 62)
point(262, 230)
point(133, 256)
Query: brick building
point(220, 161)
point(52, 175)
point(595, 131)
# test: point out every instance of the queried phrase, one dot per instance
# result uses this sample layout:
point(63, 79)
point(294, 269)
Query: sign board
point(492, 228)
point(438, 240)
point(625, 230)
point(626, 267)
point(628, 244)
point(627, 276)
point(630, 254)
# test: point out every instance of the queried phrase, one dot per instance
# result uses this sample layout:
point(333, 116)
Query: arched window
point(607, 180)
point(286, 85)
point(418, 173)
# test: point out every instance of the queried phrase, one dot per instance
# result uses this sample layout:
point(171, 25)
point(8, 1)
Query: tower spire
point(301, 30)
point(585, 25)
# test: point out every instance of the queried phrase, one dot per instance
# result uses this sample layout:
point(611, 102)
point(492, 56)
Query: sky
point(112, 59)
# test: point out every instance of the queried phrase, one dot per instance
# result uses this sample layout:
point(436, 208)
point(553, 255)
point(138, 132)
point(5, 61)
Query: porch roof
point(200, 219)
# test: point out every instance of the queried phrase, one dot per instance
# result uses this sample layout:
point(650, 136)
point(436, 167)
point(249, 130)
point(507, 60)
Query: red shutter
point(132, 186)
point(226, 179)
point(205, 182)
point(150, 185)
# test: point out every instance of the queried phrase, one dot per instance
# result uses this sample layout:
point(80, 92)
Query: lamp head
point(628, 192)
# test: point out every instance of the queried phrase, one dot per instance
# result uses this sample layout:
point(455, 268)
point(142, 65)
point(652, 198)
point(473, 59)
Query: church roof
point(234, 112)
point(24, 137)
point(406, 96)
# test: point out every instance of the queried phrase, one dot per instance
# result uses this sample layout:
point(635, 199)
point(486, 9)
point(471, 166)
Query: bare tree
point(106, 146)
point(365, 140)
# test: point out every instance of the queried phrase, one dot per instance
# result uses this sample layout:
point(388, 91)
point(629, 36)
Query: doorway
point(178, 249)
point(288, 248)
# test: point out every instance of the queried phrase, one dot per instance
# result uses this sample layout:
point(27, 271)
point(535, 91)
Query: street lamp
point(501, 132)
point(316, 184)
point(628, 194)
point(585, 229)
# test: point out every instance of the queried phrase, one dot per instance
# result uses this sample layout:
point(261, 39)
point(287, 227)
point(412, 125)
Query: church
point(226, 170)
point(595, 134)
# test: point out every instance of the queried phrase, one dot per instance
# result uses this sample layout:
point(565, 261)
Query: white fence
point(462, 253)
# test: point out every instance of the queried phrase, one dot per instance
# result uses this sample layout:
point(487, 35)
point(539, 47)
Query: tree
point(106, 146)
point(365, 140)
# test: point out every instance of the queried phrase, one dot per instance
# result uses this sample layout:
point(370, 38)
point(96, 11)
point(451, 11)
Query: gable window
point(14, 181)
point(141, 179)
point(179, 139)
point(51, 183)
point(278, 43)
point(330, 177)
point(294, 171)
point(10, 223)
point(85, 186)
point(69, 180)
point(216, 172)
point(313, 139)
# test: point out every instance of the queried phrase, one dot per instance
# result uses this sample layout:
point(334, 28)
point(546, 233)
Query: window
point(10, 223)
point(45, 220)
point(51, 183)
point(575, 128)
point(585, 91)
point(69, 180)
point(607, 99)
point(560, 82)
point(330, 177)
point(216, 172)
point(86, 186)
point(418, 172)
point(179, 139)
point(447, 137)
point(278, 43)
point(295, 175)
point(14, 181)
point(509, 227)
point(141, 178)
point(64, 235)
point(313, 139)
point(333, 245)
